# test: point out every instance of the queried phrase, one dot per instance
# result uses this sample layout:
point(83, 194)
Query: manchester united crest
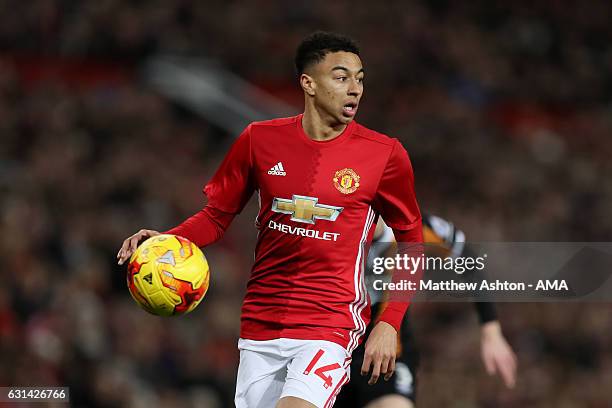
point(346, 181)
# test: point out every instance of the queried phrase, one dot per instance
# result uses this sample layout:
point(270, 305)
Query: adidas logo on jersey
point(277, 170)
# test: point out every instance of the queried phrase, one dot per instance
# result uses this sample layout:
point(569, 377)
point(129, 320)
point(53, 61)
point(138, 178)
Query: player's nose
point(354, 88)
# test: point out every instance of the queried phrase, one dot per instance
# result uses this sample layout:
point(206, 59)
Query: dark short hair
point(317, 45)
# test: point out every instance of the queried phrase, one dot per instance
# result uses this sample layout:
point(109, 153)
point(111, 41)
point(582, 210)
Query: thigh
point(261, 376)
point(293, 402)
point(317, 372)
point(391, 401)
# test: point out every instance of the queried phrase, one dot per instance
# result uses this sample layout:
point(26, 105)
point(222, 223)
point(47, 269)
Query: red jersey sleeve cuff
point(394, 314)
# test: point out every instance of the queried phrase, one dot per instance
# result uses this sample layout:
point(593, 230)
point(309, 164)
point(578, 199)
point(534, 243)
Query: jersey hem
point(296, 335)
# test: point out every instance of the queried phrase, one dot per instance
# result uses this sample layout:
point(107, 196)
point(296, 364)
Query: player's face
point(338, 85)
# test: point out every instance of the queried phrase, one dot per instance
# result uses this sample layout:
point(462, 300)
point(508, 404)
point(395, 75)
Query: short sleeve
point(233, 184)
point(395, 198)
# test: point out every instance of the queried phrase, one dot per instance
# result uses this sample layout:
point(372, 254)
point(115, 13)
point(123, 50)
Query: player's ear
point(308, 84)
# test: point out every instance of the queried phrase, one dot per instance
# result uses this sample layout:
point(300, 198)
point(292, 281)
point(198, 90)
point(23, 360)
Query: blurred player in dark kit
point(400, 390)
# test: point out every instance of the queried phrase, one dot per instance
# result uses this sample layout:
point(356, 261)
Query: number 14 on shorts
point(322, 371)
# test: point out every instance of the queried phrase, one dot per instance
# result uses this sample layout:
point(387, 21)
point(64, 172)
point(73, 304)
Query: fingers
point(380, 352)
point(507, 370)
point(375, 372)
point(130, 245)
point(367, 361)
point(489, 363)
point(134, 242)
point(380, 364)
point(505, 365)
point(123, 253)
point(385, 367)
point(507, 375)
point(390, 369)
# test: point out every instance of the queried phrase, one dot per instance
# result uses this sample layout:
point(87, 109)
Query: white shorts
point(313, 370)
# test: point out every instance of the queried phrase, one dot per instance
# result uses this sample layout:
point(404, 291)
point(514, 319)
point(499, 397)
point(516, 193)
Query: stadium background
point(505, 110)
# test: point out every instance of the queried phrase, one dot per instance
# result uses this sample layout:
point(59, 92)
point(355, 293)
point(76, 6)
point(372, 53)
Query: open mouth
point(350, 108)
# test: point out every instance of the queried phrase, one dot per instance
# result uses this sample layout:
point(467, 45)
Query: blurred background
point(114, 114)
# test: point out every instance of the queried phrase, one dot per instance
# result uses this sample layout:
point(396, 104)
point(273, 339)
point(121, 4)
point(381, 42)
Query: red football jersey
point(318, 204)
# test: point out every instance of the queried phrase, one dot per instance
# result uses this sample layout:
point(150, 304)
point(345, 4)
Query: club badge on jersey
point(346, 181)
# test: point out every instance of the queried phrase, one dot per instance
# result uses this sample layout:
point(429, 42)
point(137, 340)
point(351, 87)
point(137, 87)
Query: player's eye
point(342, 78)
point(360, 80)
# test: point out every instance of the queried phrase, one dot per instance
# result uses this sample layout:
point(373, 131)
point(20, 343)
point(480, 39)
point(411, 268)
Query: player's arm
point(228, 192)
point(396, 202)
point(203, 228)
point(496, 353)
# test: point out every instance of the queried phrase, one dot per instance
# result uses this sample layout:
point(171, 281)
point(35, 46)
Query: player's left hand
point(497, 355)
point(380, 352)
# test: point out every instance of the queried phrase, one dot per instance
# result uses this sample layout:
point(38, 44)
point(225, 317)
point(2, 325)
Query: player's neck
point(318, 128)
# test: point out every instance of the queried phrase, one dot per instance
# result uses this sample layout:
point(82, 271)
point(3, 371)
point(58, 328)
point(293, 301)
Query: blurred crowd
point(506, 112)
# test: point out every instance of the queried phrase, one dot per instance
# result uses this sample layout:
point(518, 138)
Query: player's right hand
point(131, 243)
